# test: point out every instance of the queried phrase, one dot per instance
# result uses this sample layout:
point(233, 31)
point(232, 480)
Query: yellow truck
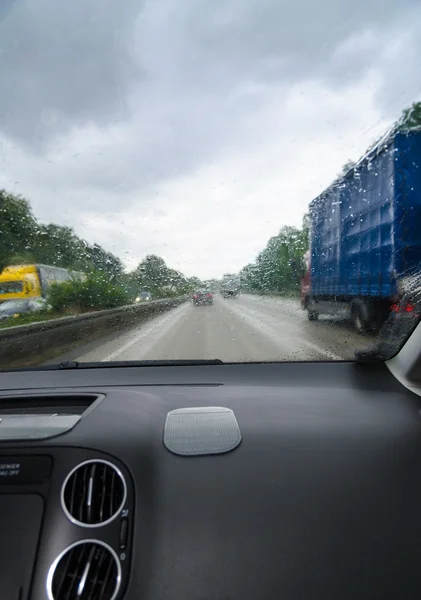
point(31, 281)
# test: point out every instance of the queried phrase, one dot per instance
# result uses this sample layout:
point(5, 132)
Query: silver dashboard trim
point(117, 512)
point(51, 570)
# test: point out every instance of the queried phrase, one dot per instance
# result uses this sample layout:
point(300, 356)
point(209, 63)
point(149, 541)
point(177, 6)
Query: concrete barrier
point(36, 343)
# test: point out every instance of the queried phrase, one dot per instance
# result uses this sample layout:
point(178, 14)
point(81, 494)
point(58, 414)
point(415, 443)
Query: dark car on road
point(202, 297)
point(230, 292)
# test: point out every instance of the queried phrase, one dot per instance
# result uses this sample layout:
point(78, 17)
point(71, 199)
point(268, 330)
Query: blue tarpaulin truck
point(365, 235)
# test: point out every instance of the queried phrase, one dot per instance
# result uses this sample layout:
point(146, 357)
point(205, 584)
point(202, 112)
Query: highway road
point(250, 328)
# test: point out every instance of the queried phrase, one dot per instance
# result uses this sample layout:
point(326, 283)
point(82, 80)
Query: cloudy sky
point(195, 129)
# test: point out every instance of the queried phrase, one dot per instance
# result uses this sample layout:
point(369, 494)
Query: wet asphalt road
point(250, 328)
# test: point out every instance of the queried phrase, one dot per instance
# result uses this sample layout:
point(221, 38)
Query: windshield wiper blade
point(70, 365)
point(150, 363)
point(372, 354)
point(390, 339)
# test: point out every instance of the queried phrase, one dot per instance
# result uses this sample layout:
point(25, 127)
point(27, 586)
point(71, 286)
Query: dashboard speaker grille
point(93, 493)
point(201, 430)
point(87, 570)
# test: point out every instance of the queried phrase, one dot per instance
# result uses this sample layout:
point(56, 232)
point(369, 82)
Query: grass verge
point(30, 318)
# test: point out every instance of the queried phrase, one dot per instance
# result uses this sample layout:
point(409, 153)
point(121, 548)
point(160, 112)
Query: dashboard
point(277, 481)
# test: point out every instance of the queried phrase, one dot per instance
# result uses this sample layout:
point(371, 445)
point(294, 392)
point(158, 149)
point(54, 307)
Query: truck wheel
point(311, 315)
point(359, 319)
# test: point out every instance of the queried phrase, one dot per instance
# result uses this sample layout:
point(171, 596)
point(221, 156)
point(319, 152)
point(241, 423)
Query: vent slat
point(85, 592)
point(73, 573)
point(86, 571)
point(103, 495)
point(63, 577)
point(82, 501)
point(94, 493)
point(108, 578)
point(113, 476)
point(96, 577)
point(91, 494)
point(73, 493)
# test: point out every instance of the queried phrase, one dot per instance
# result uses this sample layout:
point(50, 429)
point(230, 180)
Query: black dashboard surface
point(320, 500)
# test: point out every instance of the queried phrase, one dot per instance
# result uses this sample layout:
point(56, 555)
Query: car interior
point(210, 300)
point(210, 480)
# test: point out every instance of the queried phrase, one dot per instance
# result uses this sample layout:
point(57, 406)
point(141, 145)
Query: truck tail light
point(408, 307)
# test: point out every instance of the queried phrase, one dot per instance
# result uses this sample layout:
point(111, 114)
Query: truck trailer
point(365, 236)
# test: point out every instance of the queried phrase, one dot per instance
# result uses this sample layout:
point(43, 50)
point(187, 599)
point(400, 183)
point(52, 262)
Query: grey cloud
point(106, 100)
point(223, 41)
point(203, 64)
point(66, 64)
point(63, 63)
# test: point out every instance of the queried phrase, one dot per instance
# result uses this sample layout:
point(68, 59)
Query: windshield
point(10, 287)
point(252, 170)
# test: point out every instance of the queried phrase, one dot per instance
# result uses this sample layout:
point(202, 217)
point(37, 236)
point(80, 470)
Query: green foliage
point(347, 167)
point(23, 240)
point(94, 293)
point(154, 275)
point(280, 266)
point(17, 227)
point(27, 318)
point(194, 283)
point(59, 246)
point(208, 284)
point(411, 117)
point(104, 262)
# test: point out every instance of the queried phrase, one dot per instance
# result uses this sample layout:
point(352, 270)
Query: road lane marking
point(145, 331)
point(266, 329)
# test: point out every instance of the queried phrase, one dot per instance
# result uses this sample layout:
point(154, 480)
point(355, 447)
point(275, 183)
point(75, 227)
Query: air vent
point(93, 493)
point(86, 570)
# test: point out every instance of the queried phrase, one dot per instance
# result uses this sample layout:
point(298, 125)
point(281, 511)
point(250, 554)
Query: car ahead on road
point(230, 293)
point(143, 296)
point(15, 308)
point(202, 297)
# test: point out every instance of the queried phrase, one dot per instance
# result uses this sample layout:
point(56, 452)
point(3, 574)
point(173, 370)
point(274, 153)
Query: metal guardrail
point(36, 343)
